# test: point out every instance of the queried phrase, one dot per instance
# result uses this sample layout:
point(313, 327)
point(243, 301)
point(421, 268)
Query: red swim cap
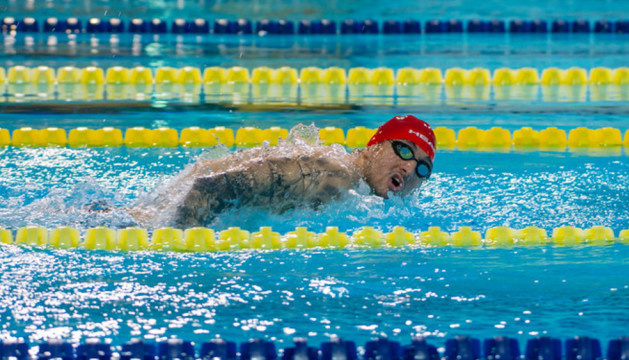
point(407, 128)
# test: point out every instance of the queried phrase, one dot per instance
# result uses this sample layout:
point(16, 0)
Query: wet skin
point(385, 171)
point(280, 183)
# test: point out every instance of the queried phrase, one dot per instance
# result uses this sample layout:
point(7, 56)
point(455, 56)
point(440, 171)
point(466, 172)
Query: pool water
point(335, 10)
point(357, 294)
point(479, 189)
point(278, 295)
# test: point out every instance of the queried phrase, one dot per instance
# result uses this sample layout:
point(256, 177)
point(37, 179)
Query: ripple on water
point(357, 294)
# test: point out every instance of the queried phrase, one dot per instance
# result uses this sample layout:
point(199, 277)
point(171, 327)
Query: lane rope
point(468, 138)
point(200, 26)
point(459, 347)
point(201, 239)
point(309, 86)
point(286, 75)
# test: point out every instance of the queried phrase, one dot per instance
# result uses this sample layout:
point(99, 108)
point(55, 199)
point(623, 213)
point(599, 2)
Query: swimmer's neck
point(360, 159)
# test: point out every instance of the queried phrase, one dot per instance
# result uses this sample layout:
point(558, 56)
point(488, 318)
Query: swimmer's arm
point(272, 181)
point(210, 195)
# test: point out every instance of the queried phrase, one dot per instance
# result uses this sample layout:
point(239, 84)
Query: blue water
point(536, 115)
point(335, 10)
point(442, 51)
point(355, 294)
point(278, 295)
point(50, 187)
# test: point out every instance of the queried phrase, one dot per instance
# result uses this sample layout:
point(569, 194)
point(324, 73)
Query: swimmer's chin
point(397, 193)
point(392, 190)
point(384, 194)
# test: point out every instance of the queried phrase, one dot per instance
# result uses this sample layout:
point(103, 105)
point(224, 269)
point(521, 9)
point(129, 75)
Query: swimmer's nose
point(408, 167)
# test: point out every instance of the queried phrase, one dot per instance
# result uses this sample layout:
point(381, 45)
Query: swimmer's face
point(386, 171)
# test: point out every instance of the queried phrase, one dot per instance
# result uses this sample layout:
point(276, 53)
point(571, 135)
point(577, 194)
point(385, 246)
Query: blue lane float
point(221, 349)
point(618, 349)
point(95, 25)
point(301, 350)
point(622, 26)
point(28, 25)
point(435, 26)
point(198, 26)
point(359, 27)
point(412, 27)
point(560, 26)
point(519, 26)
point(462, 348)
point(116, 25)
point(477, 26)
point(176, 349)
point(502, 348)
point(458, 348)
point(317, 27)
point(9, 24)
point(138, 26)
point(311, 27)
point(583, 348)
point(420, 349)
point(603, 26)
point(454, 25)
point(539, 26)
point(54, 25)
point(580, 26)
point(392, 27)
point(239, 27)
point(158, 26)
point(496, 26)
point(94, 349)
point(543, 348)
point(56, 349)
point(73, 25)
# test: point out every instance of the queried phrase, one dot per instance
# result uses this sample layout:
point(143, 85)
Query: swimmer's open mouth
point(396, 183)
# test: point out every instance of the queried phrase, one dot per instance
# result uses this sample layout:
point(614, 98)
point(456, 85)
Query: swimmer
point(396, 160)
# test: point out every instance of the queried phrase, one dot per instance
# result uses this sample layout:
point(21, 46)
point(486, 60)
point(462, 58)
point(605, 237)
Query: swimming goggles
point(405, 152)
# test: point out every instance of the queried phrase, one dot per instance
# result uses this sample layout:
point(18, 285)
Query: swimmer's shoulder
point(329, 177)
point(327, 163)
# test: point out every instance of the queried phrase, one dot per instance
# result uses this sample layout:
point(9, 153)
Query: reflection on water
point(355, 294)
point(67, 97)
point(52, 187)
point(492, 51)
point(335, 10)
